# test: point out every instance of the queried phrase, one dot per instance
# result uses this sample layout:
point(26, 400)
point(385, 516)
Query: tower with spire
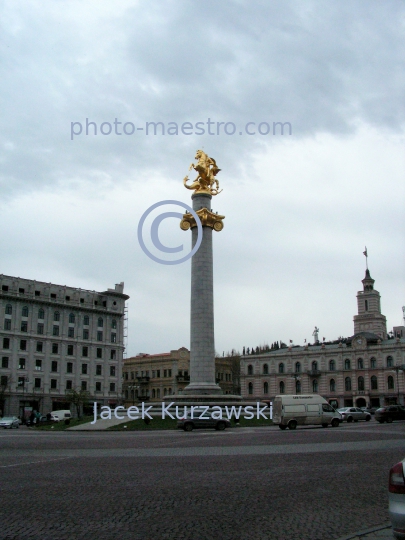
point(369, 317)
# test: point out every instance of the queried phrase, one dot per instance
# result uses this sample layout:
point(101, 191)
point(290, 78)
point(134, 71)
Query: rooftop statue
point(207, 169)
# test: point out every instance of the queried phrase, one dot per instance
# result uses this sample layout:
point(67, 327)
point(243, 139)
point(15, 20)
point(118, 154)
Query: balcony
point(314, 373)
point(183, 378)
point(143, 380)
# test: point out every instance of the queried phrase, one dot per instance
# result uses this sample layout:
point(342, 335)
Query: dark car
point(201, 420)
point(390, 413)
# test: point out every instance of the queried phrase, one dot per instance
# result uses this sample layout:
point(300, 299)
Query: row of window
point(56, 316)
point(145, 393)
point(69, 384)
point(70, 349)
point(22, 364)
point(156, 374)
point(56, 330)
point(332, 385)
point(332, 365)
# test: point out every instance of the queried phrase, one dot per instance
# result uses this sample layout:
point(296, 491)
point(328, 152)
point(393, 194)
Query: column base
point(203, 389)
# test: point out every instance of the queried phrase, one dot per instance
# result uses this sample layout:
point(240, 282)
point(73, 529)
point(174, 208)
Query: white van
point(58, 416)
point(292, 411)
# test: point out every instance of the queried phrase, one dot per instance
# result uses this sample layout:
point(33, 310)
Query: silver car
point(396, 497)
point(354, 414)
point(9, 422)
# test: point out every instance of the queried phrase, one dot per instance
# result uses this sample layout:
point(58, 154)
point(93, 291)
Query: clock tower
point(369, 318)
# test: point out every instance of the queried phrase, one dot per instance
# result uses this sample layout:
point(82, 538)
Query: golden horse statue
point(207, 169)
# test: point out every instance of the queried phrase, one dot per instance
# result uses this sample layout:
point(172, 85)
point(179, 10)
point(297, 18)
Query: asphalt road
point(240, 484)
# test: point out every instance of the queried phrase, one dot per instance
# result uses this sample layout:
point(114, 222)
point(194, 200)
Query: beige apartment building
point(367, 369)
point(151, 377)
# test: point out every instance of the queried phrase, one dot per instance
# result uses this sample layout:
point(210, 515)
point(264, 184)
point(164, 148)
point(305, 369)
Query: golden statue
point(207, 169)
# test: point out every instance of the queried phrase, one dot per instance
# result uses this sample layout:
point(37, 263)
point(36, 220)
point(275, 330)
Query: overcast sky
point(299, 207)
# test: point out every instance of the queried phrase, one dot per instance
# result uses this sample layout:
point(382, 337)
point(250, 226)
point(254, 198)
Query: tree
point(79, 398)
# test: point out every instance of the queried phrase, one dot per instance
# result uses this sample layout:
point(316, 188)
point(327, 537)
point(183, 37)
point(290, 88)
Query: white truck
point(58, 416)
point(303, 410)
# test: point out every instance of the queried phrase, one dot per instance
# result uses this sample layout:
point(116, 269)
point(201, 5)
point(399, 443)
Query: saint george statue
point(207, 169)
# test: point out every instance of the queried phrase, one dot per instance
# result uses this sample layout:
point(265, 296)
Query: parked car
point(9, 422)
point(370, 410)
point(188, 423)
point(390, 413)
point(354, 414)
point(396, 499)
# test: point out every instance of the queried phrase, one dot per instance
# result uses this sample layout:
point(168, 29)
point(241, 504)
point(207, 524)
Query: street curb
point(365, 531)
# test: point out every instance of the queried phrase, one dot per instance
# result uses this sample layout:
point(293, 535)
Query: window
point(68, 385)
point(99, 369)
point(4, 288)
point(112, 371)
point(348, 384)
point(98, 386)
point(297, 367)
point(360, 383)
point(55, 348)
point(85, 334)
point(40, 328)
point(360, 363)
point(37, 293)
point(24, 312)
point(99, 336)
point(23, 344)
point(390, 361)
point(7, 324)
point(84, 385)
point(158, 373)
point(24, 326)
point(314, 365)
point(70, 350)
point(165, 373)
point(41, 314)
point(266, 388)
point(265, 369)
point(86, 320)
point(158, 393)
point(113, 324)
point(53, 295)
point(21, 382)
point(315, 386)
point(250, 389)
point(332, 385)
point(332, 365)
point(281, 368)
point(113, 355)
point(69, 367)
point(347, 363)
point(55, 330)
point(99, 352)
point(67, 298)
point(298, 387)
point(71, 318)
point(153, 393)
point(112, 387)
point(21, 363)
point(282, 387)
point(20, 290)
point(9, 309)
point(37, 383)
point(71, 332)
point(4, 362)
point(250, 369)
point(113, 337)
point(366, 305)
point(84, 369)
point(390, 382)
point(54, 384)
point(85, 351)
point(6, 343)
point(170, 373)
point(100, 322)
point(54, 365)
point(39, 346)
point(56, 316)
point(374, 383)
point(4, 381)
point(38, 365)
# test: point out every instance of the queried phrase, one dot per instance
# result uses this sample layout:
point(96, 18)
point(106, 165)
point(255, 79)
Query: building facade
point(366, 369)
point(56, 338)
point(151, 377)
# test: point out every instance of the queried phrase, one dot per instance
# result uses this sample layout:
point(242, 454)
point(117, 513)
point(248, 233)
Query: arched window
point(298, 387)
point(366, 305)
point(153, 393)
point(56, 316)
point(170, 391)
point(347, 363)
point(250, 389)
point(390, 383)
point(282, 387)
point(41, 314)
point(315, 386)
point(374, 383)
point(314, 365)
point(86, 320)
point(348, 384)
point(25, 311)
point(332, 365)
point(360, 383)
point(266, 388)
point(360, 363)
point(332, 385)
point(165, 391)
point(114, 324)
point(100, 322)
point(71, 317)
point(9, 309)
point(265, 369)
point(158, 393)
point(373, 363)
point(250, 369)
point(390, 361)
point(281, 368)
point(298, 367)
